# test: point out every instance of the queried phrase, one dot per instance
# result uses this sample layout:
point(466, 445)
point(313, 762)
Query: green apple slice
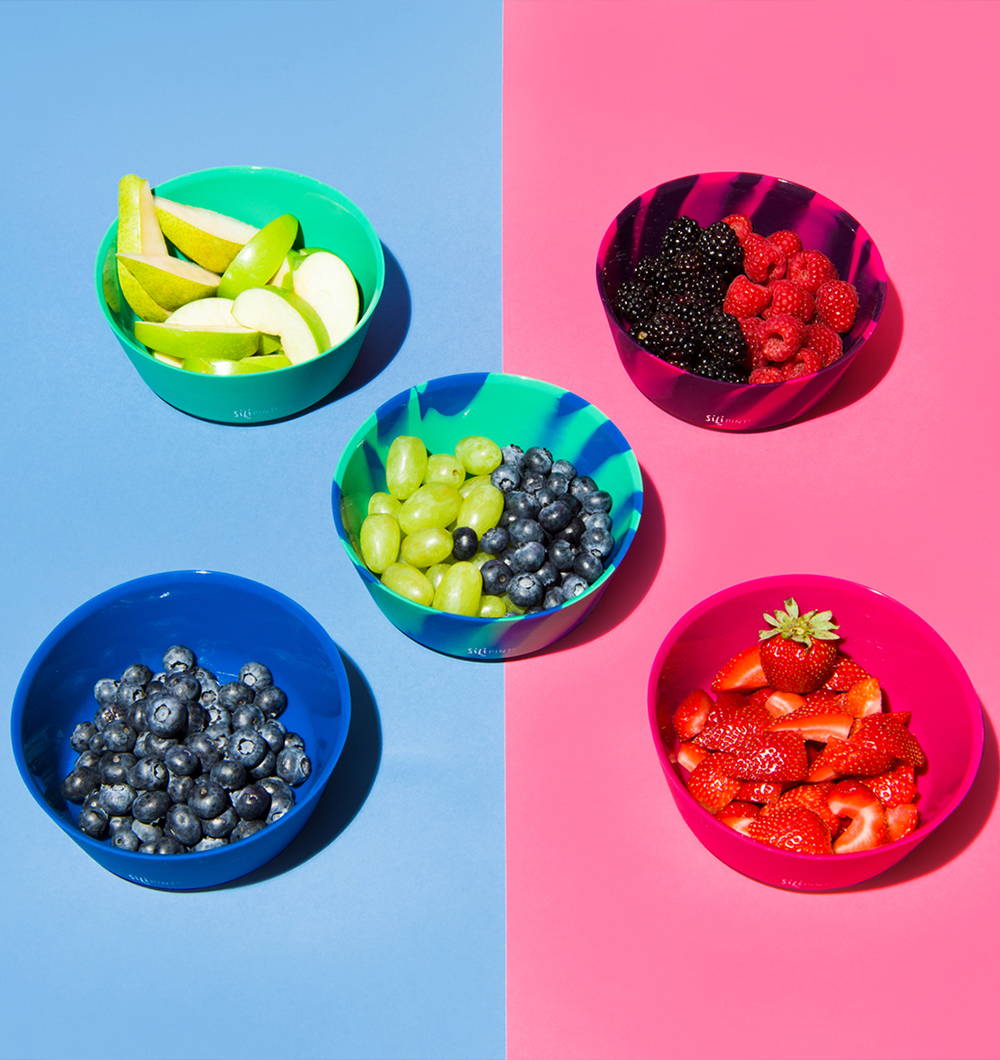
point(165, 358)
point(184, 341)
point(261, 258)
point(138, 233)
point(248, 366)
point(214, 312)
point(270, 344)
point(171, 282)
point(211, 239)
point(274, 311)
point(328, 285)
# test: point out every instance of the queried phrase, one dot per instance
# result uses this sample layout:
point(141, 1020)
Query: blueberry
point(234, 694)
point(117, 799)
point(266, 767)
point(525, 590)
point(177, 658)
point(272, 701)
point(184, 686)
point(93, 823)
point(253, 803)
point(553, 598)
point(553, 517)
point(219, 735)
point(572, 503)
point(525, 530)
point(522, 504)
point(150, 806)
point(293, 739)
point(210, 843)
point(558, 484)
point(547, 574)
point(219, 715)
point(208, 800)
point(93, 800)
point(274, 734)
point(167, 845)
point(148, 774)
point(245, 829)
point(532, 481)
point(120, 824)
point(562, 554)
point(166, 715)
point(496, 575)
point(119, 737)
point(513, 455)
point(147, 833)
point(545, 497)
point(506, 478)
point(183, 825)
point(598, 501)
point(204, 675)
point(90, 760)
point(598, 543)
point(589, 567)
point(97, 743)
point(573, 585)
point(229, 775)
point(128, 694)
point(80, 738)
point(529, 557)
point(597, 521)
point(494, 541)
point(106, 691)
point(203, 746)
point(293, 765)
point(147, 848)
point(221, 826)
point(572, 531)
point(209, 691)
point(182, 761)
point(126, 840)
point(538, 459)
point(464, 543)
point(79, 784)
point(137, 715)
point(282, 797)
point(137, 674)
point(141, 748)
point(564, 468)
point(157, 746)
point(581, 486)
point(255, 675)
point(249, 716)
point(115, 765)
point(180, 788)
point(247, 747)
point(508, 518)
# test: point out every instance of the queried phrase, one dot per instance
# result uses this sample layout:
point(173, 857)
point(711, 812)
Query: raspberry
point(805, 362)
point(765, 375)
point(793, 370)
point(837, 304)
point(740, 224)
point(745, 299)
point(810, 269)
point(826, 342)
point(786, 241)
point(786, 297)
point(753, 332)
point(762, 260)
point(783, 335)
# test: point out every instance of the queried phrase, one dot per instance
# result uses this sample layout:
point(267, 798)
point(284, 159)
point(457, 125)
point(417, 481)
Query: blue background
point(380, 932)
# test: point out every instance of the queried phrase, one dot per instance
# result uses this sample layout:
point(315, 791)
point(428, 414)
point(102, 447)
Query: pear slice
point(248, 366)
point(261, 258)
point(328, 285)
point(274, 311)
point(138, 233)
point(211, 239)
point(184, 341)
point(171, 282)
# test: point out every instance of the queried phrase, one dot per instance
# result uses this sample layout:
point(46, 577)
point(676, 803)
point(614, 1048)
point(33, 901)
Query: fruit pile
point(796, 750)
point(791, 305)
point(522, 533)
point(241, 299)
point(176, 762)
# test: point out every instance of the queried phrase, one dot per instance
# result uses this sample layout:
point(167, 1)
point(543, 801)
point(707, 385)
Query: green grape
point(405, 466)
point(435, 574)
point(512, 608)
point(426, 547)
point(459, 590)
point(383, 504)
point(409, 582)
point(491, 607)
point(379, 542)
point(480, 558)
point(444, 468)
point(481, 509)
point(479, 456)
point(433, 505)
point(471, 483)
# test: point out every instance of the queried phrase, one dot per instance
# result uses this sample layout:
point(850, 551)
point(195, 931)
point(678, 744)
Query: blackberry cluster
point(672, 303)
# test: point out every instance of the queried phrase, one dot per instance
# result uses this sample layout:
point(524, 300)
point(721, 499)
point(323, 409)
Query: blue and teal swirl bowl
point(508, 409)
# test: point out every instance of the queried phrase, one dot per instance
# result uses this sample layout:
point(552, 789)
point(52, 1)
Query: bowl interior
point(917, 670)
point(507, 409)
point(257, 195)
point(226, 620)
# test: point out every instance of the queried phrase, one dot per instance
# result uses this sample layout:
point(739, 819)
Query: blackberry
point(721, 250)
point(715, 368)
point(712, 287)
point(665, 335)
point(683, 273)
point(722, 339)
point(687, 307)
point(646, 269)
point(635, 301)
point(682, 233)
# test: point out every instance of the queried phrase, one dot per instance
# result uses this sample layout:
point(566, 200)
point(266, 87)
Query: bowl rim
point(353, 443)
point(102, 848)
point(352, 207)
point(965, 692)
point(835, 368)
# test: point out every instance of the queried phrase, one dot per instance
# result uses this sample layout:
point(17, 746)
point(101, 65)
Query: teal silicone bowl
point(508, 409)
point(256, 195)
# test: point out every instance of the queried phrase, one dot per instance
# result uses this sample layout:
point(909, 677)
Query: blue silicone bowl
point(226, 620)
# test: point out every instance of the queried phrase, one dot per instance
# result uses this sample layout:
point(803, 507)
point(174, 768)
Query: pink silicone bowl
point(771, 204)
point(917, 670)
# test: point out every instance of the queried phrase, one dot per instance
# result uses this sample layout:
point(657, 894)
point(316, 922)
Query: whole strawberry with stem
point(796, 651)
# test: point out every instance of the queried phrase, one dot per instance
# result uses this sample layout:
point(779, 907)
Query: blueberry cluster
point(176, 761)
point(671, 304)
point(553, 538)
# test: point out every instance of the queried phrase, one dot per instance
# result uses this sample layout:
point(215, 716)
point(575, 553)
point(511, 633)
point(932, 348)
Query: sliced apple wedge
point(215, 312)
point(184, 341)
point(211, 239)
point(138, 233)
point(164, 358)
point(261, 258)
point(245, 367)
point(171, 282)
point(274, 311)
point(328, 285)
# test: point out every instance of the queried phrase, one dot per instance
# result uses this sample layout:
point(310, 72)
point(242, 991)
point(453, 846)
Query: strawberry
point(689, 755)
point(894, 788)
point(786, 241)
point(743, 672)
point(762, 260)
point(832, 762)
point(793, 828)
point(738, 815)
point(745, 299)
point(810, 269)
point(825, 341)
point(812, 726)
point(889, 733)
point(739, 224)
point(710, 784)
point(837, 305)
point(857, 756)
point(779, 703)
point(783, 335)
point(823, 702)
point(753, 332)
point(846, 673)
point(867, 829)
point(863, 698)
point(816, 798)
point(796, 653)
point(733, 723)
point(760, 697)
point(774, 756)
point(901, 820)
point(766, 375)
point(786, 297)
point(690, 715)
point(764, 791)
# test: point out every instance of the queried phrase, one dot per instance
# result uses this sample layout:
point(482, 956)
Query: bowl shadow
point(631, 581)
point(345, 793)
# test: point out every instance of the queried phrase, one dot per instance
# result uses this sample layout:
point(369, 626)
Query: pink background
point(625, 937)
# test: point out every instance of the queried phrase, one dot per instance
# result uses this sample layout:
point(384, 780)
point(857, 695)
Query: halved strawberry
point(761, 696)
point(690, 715)
point(846, 673)
point(762, 791)
point(854, 757)
point(901, 820)
point(814, 797)
point(894, 788)
point(779, 703)
point(889, 733)
point(738, 815)
point(863, 698)
point(850, 798)
point(820, 727)
point(732, 723)
point(743, 672)
point(775, 756)
point(793, 828)
point(689, 755)
point(711, 785)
